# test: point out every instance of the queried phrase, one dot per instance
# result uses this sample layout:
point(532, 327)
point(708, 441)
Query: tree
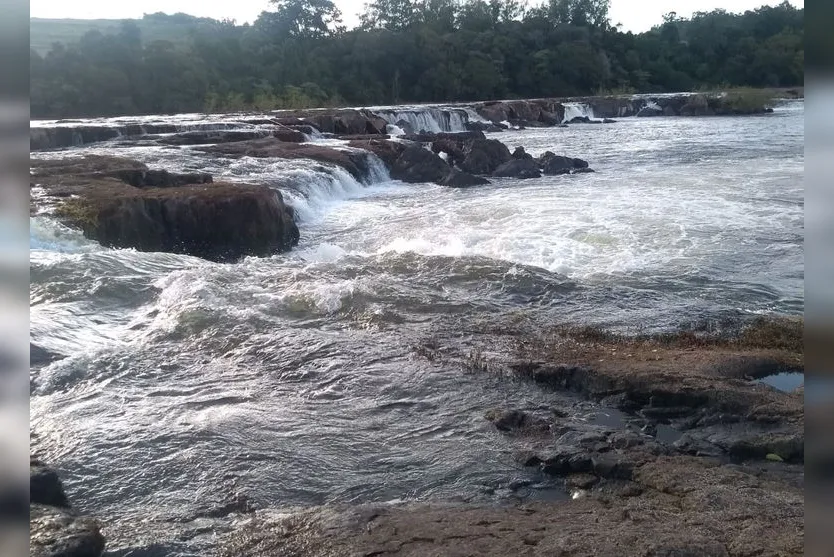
point(309, 19)
point(580, 13)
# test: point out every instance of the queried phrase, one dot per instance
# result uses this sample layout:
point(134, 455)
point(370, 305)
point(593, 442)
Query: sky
point(634, 15)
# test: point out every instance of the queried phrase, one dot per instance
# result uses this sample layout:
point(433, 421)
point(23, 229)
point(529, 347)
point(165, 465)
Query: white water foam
point(577, 110)
point(49, 235)
point(433, 120)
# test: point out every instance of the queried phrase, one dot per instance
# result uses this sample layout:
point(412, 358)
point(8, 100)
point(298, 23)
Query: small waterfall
point(577, 110)
point(430, 119)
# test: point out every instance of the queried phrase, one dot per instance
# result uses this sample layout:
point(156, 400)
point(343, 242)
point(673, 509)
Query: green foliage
point(298, 56)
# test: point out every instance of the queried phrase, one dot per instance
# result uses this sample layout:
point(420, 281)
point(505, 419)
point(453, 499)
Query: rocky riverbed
point(420, 331)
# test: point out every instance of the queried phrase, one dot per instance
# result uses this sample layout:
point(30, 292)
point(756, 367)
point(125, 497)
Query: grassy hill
point(44, 32)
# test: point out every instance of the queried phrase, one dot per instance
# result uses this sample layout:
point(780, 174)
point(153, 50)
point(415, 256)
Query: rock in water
point(556, 164)
point(215, 221)
point(520, 153)
point(518, 168)
point(458, 179)
point(484, 156)
point(417, 164)
point(45, 487)
point(56, 532)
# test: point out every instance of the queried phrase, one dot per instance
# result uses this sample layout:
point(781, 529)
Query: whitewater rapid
point(326, 374)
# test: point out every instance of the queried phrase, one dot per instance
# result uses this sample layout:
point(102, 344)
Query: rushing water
point(302, 379)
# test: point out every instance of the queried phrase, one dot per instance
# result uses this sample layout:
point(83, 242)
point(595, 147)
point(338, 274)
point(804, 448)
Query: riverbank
point(703, 459)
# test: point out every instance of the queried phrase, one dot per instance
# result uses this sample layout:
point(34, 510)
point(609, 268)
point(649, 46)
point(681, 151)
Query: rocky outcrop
point(387, 151)
point(215, 221)
point(484, 156)
point(457, 179)
point(55, 529)
point(352, 161)
point(555, 164)
point(518, 168)
point(207, 137)
point(417, 164)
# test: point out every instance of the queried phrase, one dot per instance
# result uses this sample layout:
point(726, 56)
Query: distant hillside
point(159, 26)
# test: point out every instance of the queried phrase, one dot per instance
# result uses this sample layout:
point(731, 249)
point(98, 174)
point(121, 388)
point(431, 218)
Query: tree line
point(300, 55)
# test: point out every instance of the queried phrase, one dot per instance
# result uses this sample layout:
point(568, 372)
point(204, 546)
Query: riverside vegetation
point(300, 55)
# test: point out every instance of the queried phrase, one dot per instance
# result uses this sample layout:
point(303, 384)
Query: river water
point(320, 375)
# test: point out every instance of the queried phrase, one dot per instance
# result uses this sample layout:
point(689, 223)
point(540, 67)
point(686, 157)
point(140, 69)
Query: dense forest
point(300, 55)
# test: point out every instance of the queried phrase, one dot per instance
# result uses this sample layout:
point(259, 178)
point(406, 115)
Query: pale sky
point(635, 15)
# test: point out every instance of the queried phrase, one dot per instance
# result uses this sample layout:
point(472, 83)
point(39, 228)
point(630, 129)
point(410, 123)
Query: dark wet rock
point(608, 121)
point(289, 135)
point(146, 178)
point(387, 151)
point(417, 164)
point(39, 355)
point(491, 127)
point(579, 120)
point(549, 118)
point(484, 156)
point(353, 162)
point(494, 111)
point(214, 136)
point(517, 421)
point(459, 138)
point(518, 168)
point(45, 486)
point(238, 504)
point(520, 153)
point(581, 481)
point(215, 221)
point(453, 150)
point(458, 179)
point(669, 111)
point(56, 532)
point(42, 139)
point(583, 170)
point(553, 164)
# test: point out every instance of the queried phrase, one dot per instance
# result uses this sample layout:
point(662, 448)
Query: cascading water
point(577, 110)
point(433, 120)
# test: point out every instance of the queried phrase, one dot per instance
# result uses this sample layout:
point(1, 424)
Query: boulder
point(494, 111)
point(45, 486)
point(457, 179)
point(483, 156)
point(452, 149)
point(290, 135)
point(555, 164)
point(549, 118)
point(417, 164)
point(520, 153)
point(387, 151)
point(326, 123)
point(57, 532)
point(491, 127)
point(215, 221)
point(579, 120)
point(518, 168)
point(376, 125)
